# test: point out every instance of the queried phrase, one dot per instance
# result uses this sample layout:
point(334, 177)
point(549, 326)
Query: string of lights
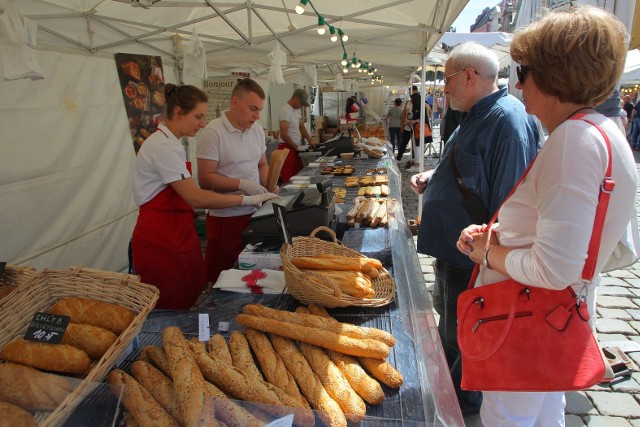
point(338, 34)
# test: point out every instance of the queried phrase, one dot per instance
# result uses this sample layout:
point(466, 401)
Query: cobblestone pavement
point(618, 309)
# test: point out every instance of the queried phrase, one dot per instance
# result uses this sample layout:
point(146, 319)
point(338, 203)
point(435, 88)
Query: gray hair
point(476, 56)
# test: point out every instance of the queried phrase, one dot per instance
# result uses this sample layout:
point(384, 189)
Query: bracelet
point(485, 260)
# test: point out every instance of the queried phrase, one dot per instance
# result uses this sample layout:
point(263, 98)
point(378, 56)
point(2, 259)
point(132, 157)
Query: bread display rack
point(49, 286)
point(313, 288)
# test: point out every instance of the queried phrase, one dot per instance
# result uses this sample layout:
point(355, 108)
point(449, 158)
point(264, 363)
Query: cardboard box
point(253, 258)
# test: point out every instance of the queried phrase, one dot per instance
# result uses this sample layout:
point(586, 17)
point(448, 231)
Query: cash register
point(305, 211)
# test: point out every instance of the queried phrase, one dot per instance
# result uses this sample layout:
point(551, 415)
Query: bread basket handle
point(328, 230)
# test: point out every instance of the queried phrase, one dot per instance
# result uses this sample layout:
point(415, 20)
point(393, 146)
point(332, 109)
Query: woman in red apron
point(166, 247)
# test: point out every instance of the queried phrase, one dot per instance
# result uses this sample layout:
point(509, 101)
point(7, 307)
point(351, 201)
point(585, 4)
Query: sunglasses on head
point(522, 71)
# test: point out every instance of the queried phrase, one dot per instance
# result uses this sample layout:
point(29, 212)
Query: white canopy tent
point(67, 157)
point(631, 74)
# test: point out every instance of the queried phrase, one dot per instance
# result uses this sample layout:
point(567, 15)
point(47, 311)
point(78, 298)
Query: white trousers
point(509, 409)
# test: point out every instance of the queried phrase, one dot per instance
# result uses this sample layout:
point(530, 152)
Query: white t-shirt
point(237, 153)
point(550, 215)
point(291, 115)
point(160, 161)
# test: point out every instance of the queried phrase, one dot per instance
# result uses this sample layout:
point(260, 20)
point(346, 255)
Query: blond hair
point(576, 55)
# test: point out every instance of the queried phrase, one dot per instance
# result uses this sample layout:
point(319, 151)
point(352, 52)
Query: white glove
point(257, 199)
point(251, 188)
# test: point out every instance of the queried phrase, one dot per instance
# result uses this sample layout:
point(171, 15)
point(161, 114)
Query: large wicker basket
point(16, 275)
point(310, 287)
point(49, 286)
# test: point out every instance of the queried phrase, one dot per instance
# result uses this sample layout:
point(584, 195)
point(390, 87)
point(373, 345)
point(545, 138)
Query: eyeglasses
point(447, 78)
point(522, 71)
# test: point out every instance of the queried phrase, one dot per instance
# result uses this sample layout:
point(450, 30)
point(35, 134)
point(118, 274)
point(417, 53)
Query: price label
point(286, 421)
point(203, 327)
point(47, 327)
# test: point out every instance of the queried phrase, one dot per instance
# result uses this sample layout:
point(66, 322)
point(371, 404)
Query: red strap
point(606, 188)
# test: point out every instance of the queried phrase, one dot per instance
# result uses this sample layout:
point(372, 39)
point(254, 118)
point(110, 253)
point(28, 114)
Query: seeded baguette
point(309, 383)
point(241, 355)
point(273, 367)
point(383, 371)
point(158, 358)
point(228, 411)
point(219, 348)
point(158, 385)
point(324, 324)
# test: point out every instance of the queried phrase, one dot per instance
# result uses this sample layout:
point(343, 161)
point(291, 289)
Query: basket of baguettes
point(282, 363)
point(12, 277)
point(42, 382)
point(329, 274)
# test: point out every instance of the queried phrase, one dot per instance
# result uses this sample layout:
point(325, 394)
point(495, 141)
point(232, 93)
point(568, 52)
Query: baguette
point(351, 283)
point(382, 211)
point(241, 355)
point(31, 389)
point(228, 411)
point(321, 338)
point(351, 215)
point(158, 358)
point(144, 409)
point(364, 261)
point(308, 381)
point(372, 213)
point(366, 387)
point(321, 323)
point(330, 262)
point(159, 386)
point(272, 365)
point(383, 371)
point(218, 348)
point(14, 416)
point(50, 357)
point(187, 379)
point(380, 369)
point(111, 317)
point(364, 209)
point(334, 382)
point(242, 386)
point(95, 341)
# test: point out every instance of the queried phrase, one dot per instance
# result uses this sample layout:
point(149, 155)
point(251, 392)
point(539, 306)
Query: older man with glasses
point(481, 162)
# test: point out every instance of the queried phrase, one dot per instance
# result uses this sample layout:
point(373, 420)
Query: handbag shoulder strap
point(606, 188)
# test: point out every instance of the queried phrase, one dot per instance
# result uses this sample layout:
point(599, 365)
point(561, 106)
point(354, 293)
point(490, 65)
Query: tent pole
point(422, 118)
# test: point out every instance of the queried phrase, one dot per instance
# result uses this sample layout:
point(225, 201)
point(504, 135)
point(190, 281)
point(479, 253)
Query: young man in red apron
point(291, 132)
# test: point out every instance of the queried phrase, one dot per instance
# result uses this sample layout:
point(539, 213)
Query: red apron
point(292, 164)
point(166, 250)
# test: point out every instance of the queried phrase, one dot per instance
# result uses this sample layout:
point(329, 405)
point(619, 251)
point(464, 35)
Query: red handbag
point(515, 337)
point(416, 130)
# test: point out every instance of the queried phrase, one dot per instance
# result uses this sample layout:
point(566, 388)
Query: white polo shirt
point(290, 114)
point(237, 153)
point(160, 161)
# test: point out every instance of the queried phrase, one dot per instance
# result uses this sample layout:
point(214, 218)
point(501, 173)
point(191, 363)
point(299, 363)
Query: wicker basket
point(51, 285)
point(16, 275)
point(310, 287)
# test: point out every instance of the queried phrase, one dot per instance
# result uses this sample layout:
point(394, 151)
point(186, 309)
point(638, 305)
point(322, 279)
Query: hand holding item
point(251, 188)
point(419, 181)
point(474, 240)
point(257, 199)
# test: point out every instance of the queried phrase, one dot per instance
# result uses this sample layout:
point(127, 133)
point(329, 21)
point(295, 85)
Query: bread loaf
point(111, 317)
point(50, 357)
point(32, 389)
point(308, 381)
point(218, 348)
point(95, 341)
point(159, 386)
point(319, 337)
point(228, 411)
point(241, 355)
point(366, 387)
point(272, 365)
point(333, 262)
point(326, 324)
point(383, 371)
point(188, 382)
point(13, 416)
point(352, 283)
point(334, 382)
point(141, 405)
point(242, 386)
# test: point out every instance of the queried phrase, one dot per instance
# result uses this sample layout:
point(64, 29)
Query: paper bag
point(275, 166)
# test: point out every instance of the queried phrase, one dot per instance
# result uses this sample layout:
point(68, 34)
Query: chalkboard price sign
point(47, 327)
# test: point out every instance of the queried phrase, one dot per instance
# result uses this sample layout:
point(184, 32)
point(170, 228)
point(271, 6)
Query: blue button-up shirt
point(493, 146)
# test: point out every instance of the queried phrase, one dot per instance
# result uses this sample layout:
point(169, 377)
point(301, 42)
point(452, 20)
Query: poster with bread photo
point(142, 84)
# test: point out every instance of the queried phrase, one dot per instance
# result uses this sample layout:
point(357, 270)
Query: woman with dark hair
point(166, 247)
point(569, 62)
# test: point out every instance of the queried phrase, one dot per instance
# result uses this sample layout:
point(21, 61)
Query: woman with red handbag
point(569, 62)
